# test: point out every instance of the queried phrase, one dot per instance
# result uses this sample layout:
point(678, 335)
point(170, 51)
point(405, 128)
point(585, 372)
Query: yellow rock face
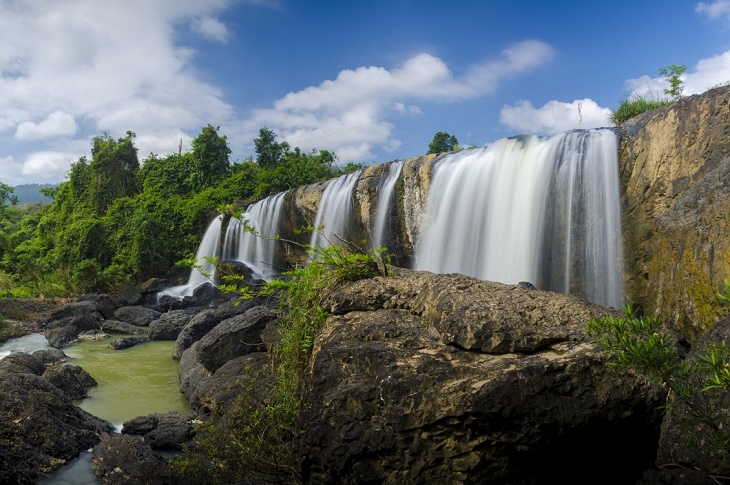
point(675, 174)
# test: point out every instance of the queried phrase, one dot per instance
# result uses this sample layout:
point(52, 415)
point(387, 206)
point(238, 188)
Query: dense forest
point(117, 221)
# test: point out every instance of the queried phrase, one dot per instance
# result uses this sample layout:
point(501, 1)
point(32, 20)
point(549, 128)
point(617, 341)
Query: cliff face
point(675, 177)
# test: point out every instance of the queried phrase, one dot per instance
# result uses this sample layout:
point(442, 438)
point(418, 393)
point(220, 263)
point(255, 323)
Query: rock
point(126, 342)
point(115, 326)
point(169, 302)
point(136, 315)
point(206, 293)
point(74, 309)
point(123, 459)
point(22, 363)
point(91, 335)
point(169, 325)
point(64, 332)
point(170, 431)
point(50, 356)
point(191, 372)
point(40, 428)
point(233, 338)
point(682, 431)
point(397, 392)
point(71, 379)
point(204, 321)
point(209, 393)
point(676, 475)
point(675, 177)
point(104, 303)
point(153, 285)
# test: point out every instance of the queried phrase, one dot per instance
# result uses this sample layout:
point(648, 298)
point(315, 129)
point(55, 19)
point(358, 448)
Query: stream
point(133, 382)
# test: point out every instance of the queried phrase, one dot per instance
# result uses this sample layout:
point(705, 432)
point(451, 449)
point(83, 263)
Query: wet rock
point(104, 303)
point(123, 459)
point(71, 379)
point(74, 309)
point(126, 342)
point(40, 428)
point(206, 294)
point(136, 315)
point(153, 285)
point(62, 333)
point(170, 431)
point(50, 356)
point(116, 326)
point(233, 338)
point(169, 325)
point(22, 363)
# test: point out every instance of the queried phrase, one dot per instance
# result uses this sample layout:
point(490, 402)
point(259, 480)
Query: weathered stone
point(50, 356)
point(675, 175)
point(115, 326)
point(190, 371)
point(126, 342)
point(64, 332)
point(22, 363)
point(74, 309)
point(169, 325)
point(104, 303)
point(203, 322)
point(170, 431)
point(206, 293)
point(136, 315)
point(40, 428)
point(233, 338)
point(71, 379)
point(685, 439)
point(392, 394)
point(153, 285)
point(122, 459)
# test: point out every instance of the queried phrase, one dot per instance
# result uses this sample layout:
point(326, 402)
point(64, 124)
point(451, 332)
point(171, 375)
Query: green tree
point(269, 153)
point(443, 142)
point(210, 153)
point(672, 74)
point(113, 168)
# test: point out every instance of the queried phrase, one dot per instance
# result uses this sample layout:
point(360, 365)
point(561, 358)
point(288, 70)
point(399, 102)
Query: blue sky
point(371, 80)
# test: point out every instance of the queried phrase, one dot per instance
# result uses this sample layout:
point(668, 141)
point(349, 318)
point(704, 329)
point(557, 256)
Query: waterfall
point(386, 189)
point(208, 248)
point(334, 212)
point(543, 210)
point(256, 251)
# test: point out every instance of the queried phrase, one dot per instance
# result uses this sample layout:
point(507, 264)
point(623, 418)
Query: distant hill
point(30, 193)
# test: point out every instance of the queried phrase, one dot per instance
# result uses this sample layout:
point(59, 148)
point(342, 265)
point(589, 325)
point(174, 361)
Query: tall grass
point(635, 105)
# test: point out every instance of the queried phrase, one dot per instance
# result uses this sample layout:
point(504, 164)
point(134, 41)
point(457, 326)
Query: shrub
point(634, 106)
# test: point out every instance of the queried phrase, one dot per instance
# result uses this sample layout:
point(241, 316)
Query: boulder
point(169, 325)
point(203, 322)
point(71, 379)
point(115, 326)
point(64, 332)
point(153, 285)
point(50, 356)
point(682, 431)
point(126, 342)
point(446, 379)
point(233, 338)
point(22, 363)
point(206, 294)
point(40, 429)
point(170, 431)
point(74, 309)
point(122, 459)
point(136, 315)
point(104, 303)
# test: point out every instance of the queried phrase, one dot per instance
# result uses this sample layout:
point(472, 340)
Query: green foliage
point(269, 153)
point(210, 155)
point(443, 142)
point(698, 384)
point(634, 106)
point(672, 75)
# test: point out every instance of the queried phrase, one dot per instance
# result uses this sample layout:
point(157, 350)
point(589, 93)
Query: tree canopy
point(443, 142)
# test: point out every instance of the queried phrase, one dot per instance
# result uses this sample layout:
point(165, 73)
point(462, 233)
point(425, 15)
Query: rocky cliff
point(675, 175)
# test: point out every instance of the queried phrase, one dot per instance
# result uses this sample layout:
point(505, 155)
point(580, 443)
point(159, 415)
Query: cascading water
point(386, 190)
point(334, 213)
point(256, 251)
point(543, 210)
point(203, 273)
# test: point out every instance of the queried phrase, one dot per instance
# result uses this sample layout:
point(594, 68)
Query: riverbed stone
point(62, 333)
point(74, 309)
point(126, 342)
point(123, 459)
point(105, 303)
point(50, 356)
point(119, 327)
point(71, 379)
point(168, 431)
point(22, 363)
point(169, 325)
point(234, 337)
point(136, 315)
point(40, 428)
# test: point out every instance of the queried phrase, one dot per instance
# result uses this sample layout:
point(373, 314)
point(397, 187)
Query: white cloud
point(349, 113)
point(706, 74)
point(57, 123)
point(211, 28)
point(48, 165)
point(714, 10)
point(555, 116)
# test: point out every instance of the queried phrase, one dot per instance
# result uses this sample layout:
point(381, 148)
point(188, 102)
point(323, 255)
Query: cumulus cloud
point(47, 164)
point(555, 116)
point(211, 28)
point(706, 74)
point(714, 10)
point(350, 111)
point(57, 123)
